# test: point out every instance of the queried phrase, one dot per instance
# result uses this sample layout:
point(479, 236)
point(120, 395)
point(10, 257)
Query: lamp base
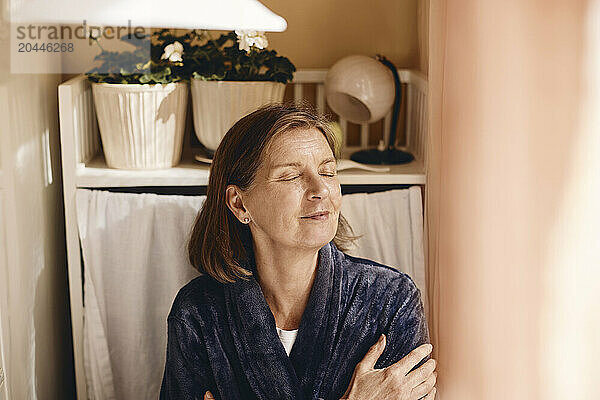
point(386, 157)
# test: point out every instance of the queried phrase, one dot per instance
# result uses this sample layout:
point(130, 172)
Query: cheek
point(335, 194)
point(288, 198)
point(278, 205)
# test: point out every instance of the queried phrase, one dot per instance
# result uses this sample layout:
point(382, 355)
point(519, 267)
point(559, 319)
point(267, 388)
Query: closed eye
point(297, 176)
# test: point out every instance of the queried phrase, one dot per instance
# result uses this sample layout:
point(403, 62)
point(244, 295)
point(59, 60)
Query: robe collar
point(269, 370)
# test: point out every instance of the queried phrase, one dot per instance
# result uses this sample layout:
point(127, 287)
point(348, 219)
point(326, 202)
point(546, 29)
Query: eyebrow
point(297, 164)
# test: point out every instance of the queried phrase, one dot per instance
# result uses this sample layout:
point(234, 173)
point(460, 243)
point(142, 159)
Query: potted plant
point(232, 76)
point(141, 101)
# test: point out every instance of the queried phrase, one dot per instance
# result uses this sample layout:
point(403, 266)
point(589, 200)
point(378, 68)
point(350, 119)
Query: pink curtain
point(513, 198)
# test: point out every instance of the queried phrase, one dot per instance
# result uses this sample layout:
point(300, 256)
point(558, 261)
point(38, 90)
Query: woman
point(281, 311)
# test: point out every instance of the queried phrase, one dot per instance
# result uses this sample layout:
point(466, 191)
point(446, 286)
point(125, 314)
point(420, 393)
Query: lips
point(317, 214)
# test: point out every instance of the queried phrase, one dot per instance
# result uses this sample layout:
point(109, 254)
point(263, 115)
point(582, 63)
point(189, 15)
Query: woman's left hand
point(208, 396)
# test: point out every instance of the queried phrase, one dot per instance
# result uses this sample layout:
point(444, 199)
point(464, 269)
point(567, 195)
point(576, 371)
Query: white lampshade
point(185, 14)
point(360, 89)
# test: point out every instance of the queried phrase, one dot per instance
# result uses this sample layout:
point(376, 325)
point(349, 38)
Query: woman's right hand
point(393, 382)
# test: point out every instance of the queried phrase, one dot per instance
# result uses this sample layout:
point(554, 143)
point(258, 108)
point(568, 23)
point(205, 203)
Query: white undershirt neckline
point(287, 337)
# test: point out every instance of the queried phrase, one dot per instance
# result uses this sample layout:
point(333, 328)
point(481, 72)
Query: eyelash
point(297, 176)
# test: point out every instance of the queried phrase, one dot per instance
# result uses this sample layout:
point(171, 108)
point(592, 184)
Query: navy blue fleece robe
point(222, 337)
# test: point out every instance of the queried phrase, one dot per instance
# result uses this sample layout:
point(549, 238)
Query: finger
point(369, 360)
point(208, 396)
point(431, 395)
point(425, 387)
point(422, 373)
point(411, 359)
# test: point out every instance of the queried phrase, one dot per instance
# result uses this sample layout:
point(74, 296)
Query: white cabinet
point(84, 167)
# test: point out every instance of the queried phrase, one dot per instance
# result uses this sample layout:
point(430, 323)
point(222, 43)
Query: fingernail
point(381, 337)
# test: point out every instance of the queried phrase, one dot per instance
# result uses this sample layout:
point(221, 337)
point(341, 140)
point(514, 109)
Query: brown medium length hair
point(219, 243)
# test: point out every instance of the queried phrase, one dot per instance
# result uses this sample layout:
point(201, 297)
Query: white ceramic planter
point(218, 105)
point(141, 125)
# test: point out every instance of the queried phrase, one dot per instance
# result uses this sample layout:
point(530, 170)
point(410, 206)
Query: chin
point(316, 234)
point(318, 240)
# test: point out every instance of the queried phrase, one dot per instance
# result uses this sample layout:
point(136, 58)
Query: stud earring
point(246, 220)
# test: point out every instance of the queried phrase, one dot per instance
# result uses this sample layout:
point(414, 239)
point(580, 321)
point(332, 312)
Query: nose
point(317, 187)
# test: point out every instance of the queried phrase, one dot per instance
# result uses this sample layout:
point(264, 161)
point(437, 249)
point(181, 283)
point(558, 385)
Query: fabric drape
point(134, 253)
point(513, 187)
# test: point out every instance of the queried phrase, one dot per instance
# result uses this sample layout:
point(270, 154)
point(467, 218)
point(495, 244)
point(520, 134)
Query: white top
point(287, 338)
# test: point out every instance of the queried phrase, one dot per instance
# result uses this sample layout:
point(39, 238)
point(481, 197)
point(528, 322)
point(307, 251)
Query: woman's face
point(297, 179)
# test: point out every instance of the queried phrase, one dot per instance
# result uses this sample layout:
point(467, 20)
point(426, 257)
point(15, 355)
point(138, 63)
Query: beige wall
point(423, 35)
point(321, 32)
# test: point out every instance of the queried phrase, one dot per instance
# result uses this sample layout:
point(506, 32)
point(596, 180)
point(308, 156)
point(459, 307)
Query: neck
point(286, 277)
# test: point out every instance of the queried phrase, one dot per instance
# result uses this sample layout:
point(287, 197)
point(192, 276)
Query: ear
point(235, 203)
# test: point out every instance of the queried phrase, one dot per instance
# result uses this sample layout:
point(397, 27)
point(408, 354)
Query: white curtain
point(392, 225)
point(134, 263)
point(134, 251)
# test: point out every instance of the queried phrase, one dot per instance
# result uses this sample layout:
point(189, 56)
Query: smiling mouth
point(318, 216)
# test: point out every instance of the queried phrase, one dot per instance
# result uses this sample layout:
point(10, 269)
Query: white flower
point(248, 39)
point(173, 52)
point(244, 43)
point(261, 41)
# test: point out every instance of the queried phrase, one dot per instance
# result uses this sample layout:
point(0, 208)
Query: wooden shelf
point(190, 172)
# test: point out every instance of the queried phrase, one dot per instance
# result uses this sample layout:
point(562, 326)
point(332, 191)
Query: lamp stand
point(389, 156)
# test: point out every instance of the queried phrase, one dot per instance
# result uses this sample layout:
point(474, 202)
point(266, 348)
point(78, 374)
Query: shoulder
point(387, 296)
point(192, 299)
point(374, 272)
point(384, 281)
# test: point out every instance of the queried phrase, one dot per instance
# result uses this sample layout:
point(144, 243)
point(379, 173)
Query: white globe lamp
point(362, 89)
